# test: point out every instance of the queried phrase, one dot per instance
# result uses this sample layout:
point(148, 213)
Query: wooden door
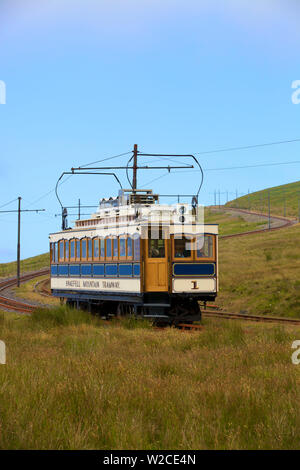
point(156, 261)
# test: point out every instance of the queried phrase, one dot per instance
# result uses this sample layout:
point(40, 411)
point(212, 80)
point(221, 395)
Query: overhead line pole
point(19, 211)
point(19, 242)
point(134, 179)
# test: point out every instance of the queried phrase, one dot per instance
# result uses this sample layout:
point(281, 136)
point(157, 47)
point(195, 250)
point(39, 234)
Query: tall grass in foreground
point(72, 381)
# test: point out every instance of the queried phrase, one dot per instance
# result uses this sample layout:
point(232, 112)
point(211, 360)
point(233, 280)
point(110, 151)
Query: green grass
point(74, 382)
point(259, 273)
point(229, 223)
point(27, 291)
point(285, 196)
point(29, 264)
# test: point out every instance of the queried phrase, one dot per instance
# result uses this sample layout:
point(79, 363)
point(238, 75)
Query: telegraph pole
point(269, 209)
point(134, 179)
point(19, 211)
point(19, 241)
point(78, 209)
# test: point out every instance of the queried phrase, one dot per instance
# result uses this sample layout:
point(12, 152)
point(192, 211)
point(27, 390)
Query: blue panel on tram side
point(125, 270)
point(98, 269)
point(54, 270)
point(86, 270)
point(194, 269)
point(136, 270)
point(63, 270)
point(74, 270)
point(111, 270)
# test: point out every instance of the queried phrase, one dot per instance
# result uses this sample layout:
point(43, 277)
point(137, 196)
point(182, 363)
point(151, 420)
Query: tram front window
point(182, 247)
point(156, 245)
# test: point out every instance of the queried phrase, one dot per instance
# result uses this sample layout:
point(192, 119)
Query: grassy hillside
point(29, 264)
point(73, 382)
point(284, 200)
point(229, 223)
point(261, 273)
point(28, 291)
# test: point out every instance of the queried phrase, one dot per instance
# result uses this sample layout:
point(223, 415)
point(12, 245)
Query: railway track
point(42, 287)
point(287, 223)
point(15, 305)
point(254, 318)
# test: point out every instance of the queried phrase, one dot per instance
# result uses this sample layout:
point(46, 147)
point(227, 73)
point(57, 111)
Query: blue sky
point(88, 79)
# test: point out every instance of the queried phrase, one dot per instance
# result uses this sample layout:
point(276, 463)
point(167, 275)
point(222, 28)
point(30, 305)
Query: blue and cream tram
point(132, 256)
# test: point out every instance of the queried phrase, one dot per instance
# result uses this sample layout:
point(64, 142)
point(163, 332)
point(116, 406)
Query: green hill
point(259, 273)
point(284, 200)
point(29, 264)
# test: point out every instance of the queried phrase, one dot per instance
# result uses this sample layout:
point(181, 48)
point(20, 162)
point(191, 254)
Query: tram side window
point(115, 248)
point(156, 246)
point(96, 248)
point(67, 250)
point(61, 250)
point(102, 248)
point(56, 252)
point(83, 249)
point(78, 249)
point(72, 249)
point(205, 247)
point(182, 247)
point(122, 247)
point(129, 247)
point(137, 248)
point(90, 248)
point(108, 248)
point(52, 245)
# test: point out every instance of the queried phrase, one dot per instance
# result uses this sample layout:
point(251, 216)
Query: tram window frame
point(155, 241)
point(51, 252)
point(89, 249)
point(123, 247)
point(115, 245)
point(207, 258)
point(72, 248)
point(108, 248)
point(136, 244)
point(61, 244)
point(96, 253)
point(102, 248)
point(128, 255)
point(67, 250)
point(84, 249)
point(56, 252)
point(77, 245)
point(192, 251)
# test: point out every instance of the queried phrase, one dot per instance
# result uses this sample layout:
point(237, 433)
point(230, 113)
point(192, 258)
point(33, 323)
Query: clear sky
point(87, 79)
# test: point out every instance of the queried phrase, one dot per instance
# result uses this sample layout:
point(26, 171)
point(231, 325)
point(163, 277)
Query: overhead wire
point(243, 166)
point(246, 147)
point(7, 203)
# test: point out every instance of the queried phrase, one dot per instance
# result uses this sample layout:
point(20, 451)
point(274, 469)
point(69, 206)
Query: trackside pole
point(19, 242)
point(269, 209)
point(135, 152)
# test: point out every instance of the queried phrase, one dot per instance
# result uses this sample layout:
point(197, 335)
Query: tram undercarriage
point(158, 307)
